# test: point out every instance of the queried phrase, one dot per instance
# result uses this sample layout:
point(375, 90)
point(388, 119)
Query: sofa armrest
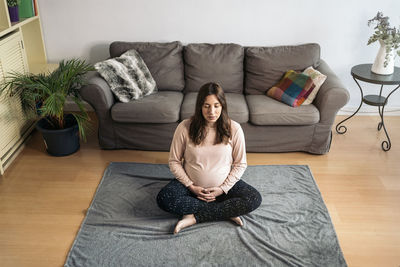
point(97, 92)
point(332, 95)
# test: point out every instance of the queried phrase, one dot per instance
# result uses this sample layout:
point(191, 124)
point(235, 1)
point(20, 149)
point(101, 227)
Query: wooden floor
point(43, 199)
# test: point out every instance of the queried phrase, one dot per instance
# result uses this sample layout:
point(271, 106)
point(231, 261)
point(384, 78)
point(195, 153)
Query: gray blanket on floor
point(125, 227)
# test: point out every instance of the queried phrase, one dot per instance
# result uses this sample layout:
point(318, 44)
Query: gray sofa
point(245, 74)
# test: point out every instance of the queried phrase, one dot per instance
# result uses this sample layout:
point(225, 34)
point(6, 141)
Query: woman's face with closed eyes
point(211, 109)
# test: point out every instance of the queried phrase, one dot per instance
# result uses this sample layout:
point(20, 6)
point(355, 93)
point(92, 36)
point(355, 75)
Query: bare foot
point(186, 221)
point(237, 220)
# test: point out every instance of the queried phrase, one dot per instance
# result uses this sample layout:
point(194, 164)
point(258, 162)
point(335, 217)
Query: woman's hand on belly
point(202, 193)
point(214, 191)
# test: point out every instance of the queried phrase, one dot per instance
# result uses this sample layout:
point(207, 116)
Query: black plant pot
point(60, 142)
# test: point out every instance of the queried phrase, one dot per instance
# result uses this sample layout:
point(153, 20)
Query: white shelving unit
point(21, 49)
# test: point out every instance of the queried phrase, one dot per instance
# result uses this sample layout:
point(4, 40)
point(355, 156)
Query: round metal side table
point(363, 73)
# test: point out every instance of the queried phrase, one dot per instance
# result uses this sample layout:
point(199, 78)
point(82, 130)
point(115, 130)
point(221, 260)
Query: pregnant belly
point(207, 178)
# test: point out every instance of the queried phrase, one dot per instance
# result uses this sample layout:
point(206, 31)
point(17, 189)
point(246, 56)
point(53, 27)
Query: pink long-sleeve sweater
point(208, 165)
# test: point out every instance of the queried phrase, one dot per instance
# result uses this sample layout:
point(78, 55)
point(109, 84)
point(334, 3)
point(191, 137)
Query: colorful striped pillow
point(293, 89)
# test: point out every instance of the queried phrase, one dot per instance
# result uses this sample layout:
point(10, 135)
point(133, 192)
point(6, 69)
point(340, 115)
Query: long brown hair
point(197, 130)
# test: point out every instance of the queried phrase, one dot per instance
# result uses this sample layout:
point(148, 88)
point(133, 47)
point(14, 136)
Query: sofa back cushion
point(164, 61)
point(265, 66)
point(221, 63)
point(237, 106)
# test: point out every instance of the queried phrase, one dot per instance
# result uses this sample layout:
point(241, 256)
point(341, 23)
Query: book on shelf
point(35, 9)
point(27, 8)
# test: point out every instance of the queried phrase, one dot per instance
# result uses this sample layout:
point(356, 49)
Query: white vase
point(378, 67)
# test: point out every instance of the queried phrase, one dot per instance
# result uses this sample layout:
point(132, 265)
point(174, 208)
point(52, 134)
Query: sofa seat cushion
point(164, 60)
point(265, 66)
point(162, 107)
point(237, 107)
point(268, 111)
point(220, 63)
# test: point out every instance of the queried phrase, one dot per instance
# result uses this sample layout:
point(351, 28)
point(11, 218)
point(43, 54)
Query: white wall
point(85, 28)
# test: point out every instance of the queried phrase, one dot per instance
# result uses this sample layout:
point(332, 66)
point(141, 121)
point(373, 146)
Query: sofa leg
point(330, 142)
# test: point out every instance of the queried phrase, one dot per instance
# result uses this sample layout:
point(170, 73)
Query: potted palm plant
point(43, 97)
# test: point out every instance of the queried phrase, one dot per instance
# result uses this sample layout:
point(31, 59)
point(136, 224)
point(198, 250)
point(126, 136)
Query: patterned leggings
point(241, 199)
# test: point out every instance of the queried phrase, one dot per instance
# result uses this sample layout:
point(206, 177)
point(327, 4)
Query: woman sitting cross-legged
point(208, 158)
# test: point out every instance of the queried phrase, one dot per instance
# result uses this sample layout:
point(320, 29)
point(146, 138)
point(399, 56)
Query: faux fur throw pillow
point(128, 76)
